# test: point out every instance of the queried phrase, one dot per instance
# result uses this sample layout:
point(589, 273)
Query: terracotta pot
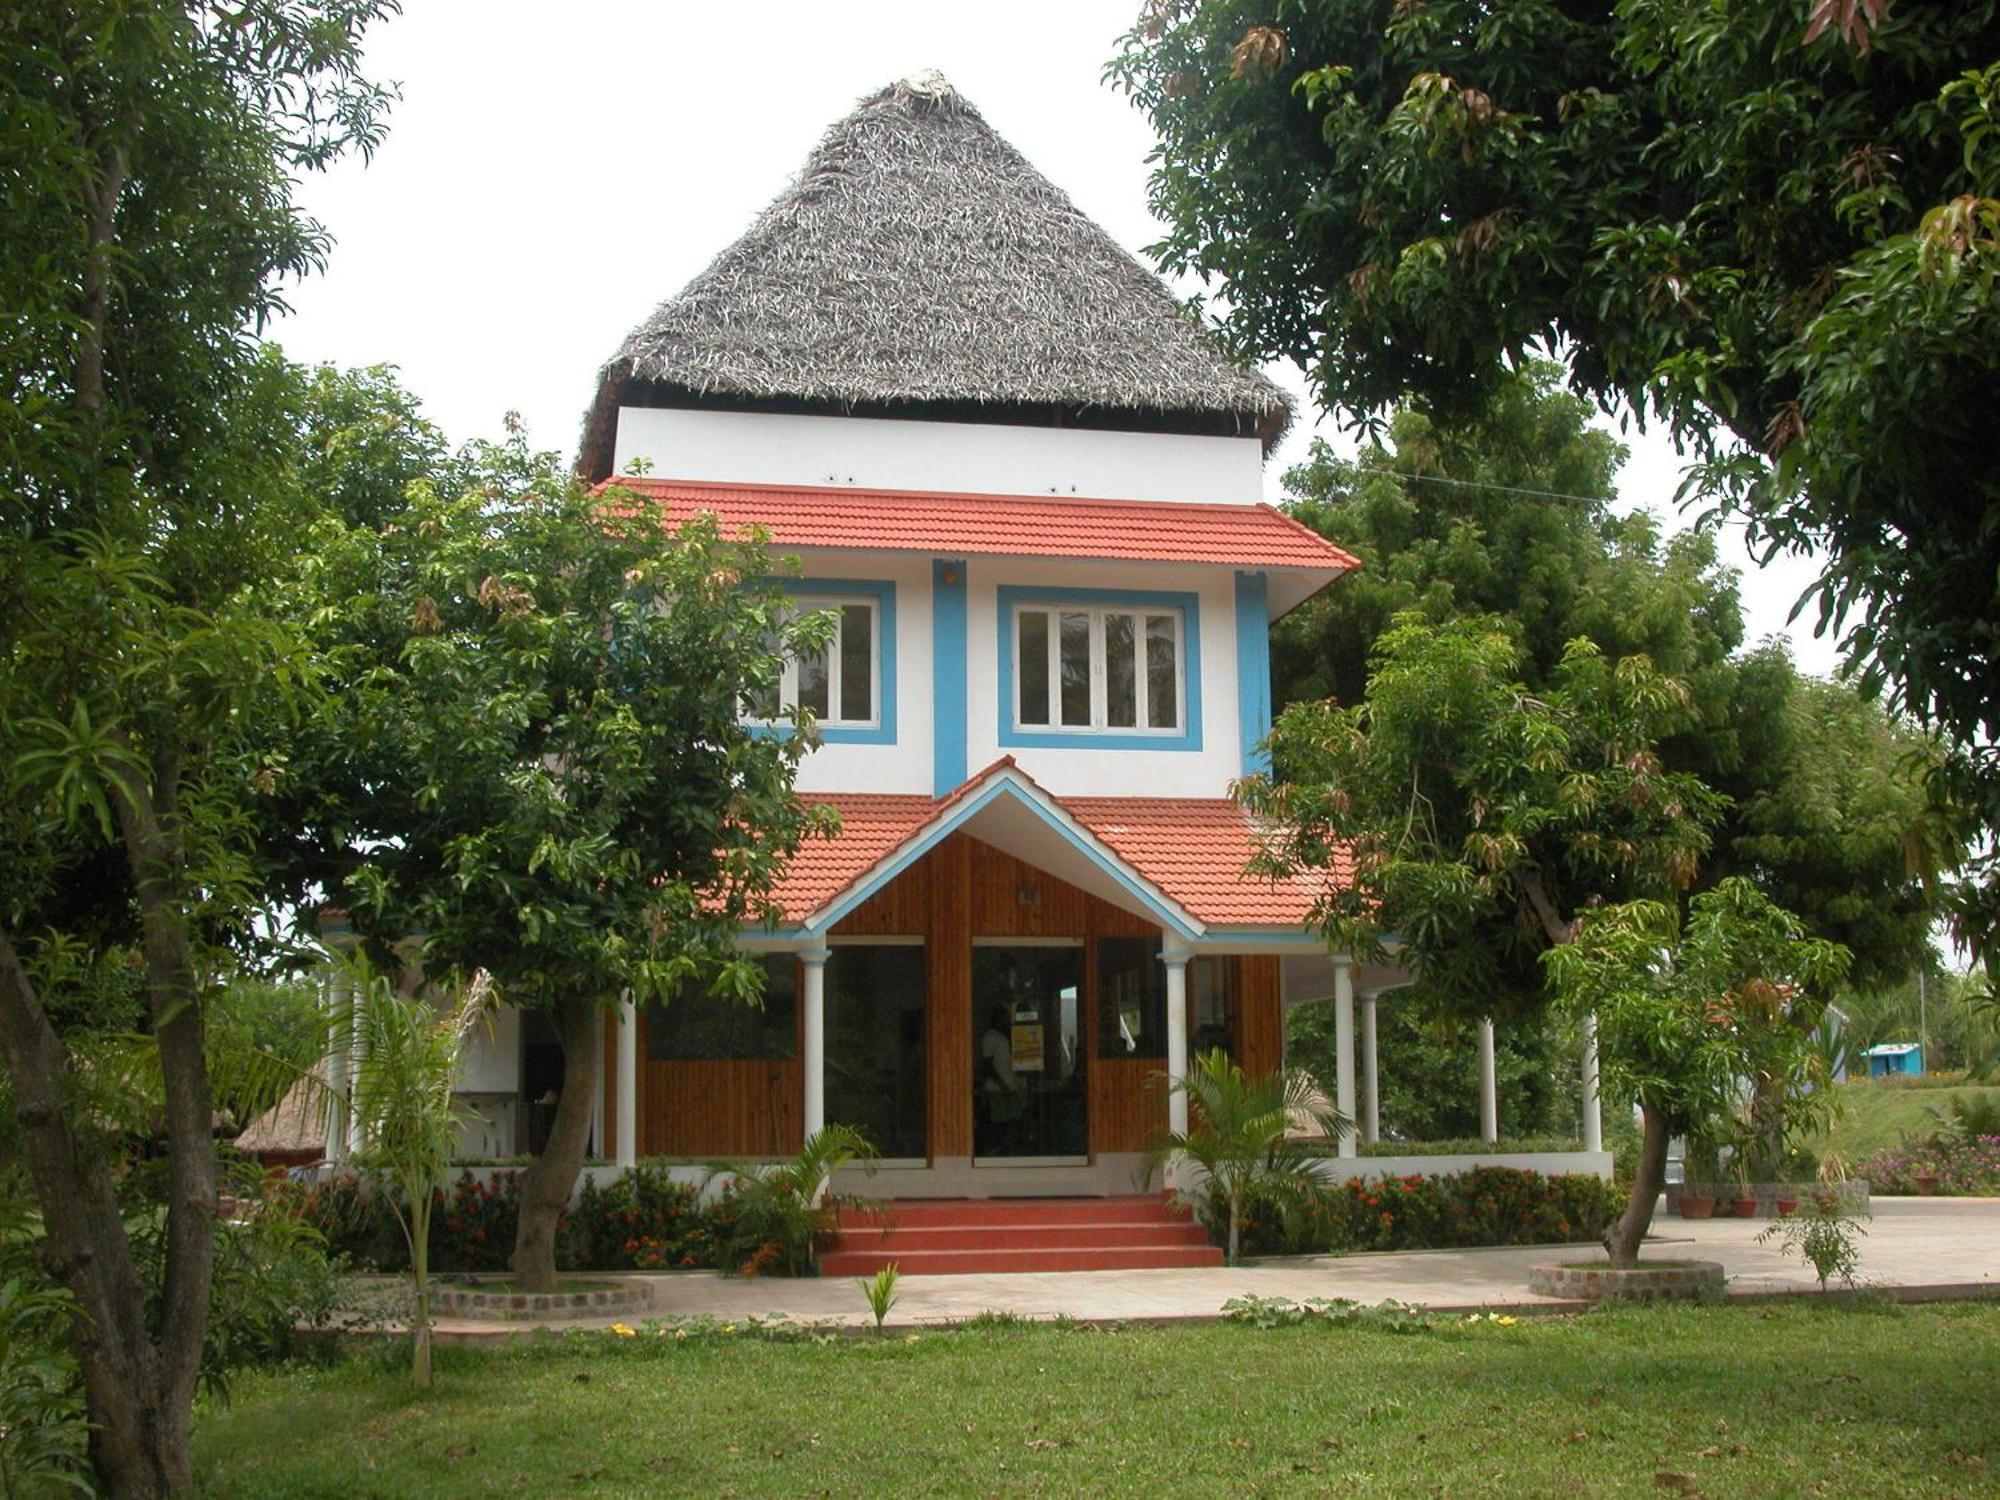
point(1927, 1184)
point(1826, 1203)
point(1693, 1207)
point(1786, 1207)
point(1746, 1208)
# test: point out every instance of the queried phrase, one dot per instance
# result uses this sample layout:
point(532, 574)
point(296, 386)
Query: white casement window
point(1098, 668)
point(840, 683)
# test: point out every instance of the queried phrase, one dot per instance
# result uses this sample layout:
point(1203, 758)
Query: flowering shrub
point(1965, 1165)
point(472, 1228)
point(646, 1221)
point(1483, 1206)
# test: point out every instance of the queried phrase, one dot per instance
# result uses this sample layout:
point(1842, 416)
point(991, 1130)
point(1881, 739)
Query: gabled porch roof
point(1175, 861)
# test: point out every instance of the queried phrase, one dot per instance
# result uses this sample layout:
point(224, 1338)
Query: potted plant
point(1699, 1169)
point(1745, 1201)
point(1832, 1178)
point(1926, 1178)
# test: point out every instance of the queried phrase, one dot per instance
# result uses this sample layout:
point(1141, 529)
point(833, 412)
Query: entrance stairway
point(939, 1237)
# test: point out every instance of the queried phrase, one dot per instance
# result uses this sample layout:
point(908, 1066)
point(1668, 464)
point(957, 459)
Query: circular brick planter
point(1600, 1283)
point(477, 1301)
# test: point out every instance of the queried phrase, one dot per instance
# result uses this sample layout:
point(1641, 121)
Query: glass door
point(1029, 1098)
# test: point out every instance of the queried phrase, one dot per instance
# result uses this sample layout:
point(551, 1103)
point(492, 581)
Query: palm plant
point(782, 1207)
point(407, 1117)
point(1237, 1137)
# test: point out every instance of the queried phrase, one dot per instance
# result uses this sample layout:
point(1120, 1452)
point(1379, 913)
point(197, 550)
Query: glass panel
point(857, 662)
point(813, 682)
point(1027, 1057)
point(1163, 709)
point(1121, 672)
point(875, 1045)
point(699, 1025)
point(1075, 668)
point(1211, 986)
point(1131, 998)
point(1031, 660)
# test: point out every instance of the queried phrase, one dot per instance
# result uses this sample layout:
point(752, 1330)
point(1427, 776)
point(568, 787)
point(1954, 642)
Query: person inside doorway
point(999, 1085)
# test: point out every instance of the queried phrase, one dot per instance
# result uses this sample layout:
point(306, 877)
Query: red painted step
point(993, 1235)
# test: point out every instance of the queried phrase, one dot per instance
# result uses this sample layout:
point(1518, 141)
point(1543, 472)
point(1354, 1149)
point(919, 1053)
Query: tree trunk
point(546, 1186)
point(1235, 1219)
point(1622, 1243)
point(420, 1276)
point(137, 1446)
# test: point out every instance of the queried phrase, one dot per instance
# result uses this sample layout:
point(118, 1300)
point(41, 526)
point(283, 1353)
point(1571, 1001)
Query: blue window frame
point(851, 710)
point(1105, 669)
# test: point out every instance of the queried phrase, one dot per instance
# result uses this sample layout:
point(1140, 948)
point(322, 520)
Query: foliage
point(880, 1290)
point(781, 1211)
point(153, 153)
point(1689, 1015)
point(1388, 1316)
point(1823, 1232)
point(1237, 1140)
point(407, 1116)
point(1481, 1206)
point(1964, 1165)
point(1482, 817)
point(43, 1428)
point(1777, 237)
point(643, 1219)
point(537, 758)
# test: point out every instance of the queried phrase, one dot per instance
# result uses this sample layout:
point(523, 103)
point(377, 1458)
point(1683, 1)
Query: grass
point(1876, 1113)
point(1778, 1399)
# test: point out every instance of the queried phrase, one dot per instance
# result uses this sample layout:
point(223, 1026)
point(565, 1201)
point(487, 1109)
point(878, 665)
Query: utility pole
point(1923, 1024)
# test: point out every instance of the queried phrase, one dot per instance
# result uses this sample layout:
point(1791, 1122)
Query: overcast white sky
point(555, 171)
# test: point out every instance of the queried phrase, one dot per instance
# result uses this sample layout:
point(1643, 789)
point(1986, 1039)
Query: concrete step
point(925, 1213)
point(903, 1237)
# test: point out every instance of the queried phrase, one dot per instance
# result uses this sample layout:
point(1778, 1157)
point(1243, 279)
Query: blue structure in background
point(1895, 1060)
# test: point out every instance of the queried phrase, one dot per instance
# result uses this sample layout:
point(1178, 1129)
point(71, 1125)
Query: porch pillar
point(1177, 1045)
point(815, 1041)
point(628, 1082)
point(339, 1066)
point(1343, 1052)
point(1371, 1093)
point(1489, 1102)
point(1593, 1109)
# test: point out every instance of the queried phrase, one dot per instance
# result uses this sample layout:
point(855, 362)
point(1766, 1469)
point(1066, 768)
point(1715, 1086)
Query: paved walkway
point(1912, 1244)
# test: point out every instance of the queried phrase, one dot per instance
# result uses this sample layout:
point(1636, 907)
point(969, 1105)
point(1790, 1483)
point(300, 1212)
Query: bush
point(43, 1430)
point(1965, 1165)
point(1484, 1206)
point(643, 1220)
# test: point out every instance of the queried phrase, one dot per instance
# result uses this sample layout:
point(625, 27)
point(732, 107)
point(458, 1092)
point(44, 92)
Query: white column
point(339, 1066)
point(1371, 1093)
point(1343, 1051)
point(815, 1049)
point(357, 1059)
point(628, 1082)
point(1489, 1102)
point(1593, 1109)
point(1177, 1047)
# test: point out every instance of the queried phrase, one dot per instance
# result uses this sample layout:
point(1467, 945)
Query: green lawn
point(1764, 1400)
point(1876, 1114)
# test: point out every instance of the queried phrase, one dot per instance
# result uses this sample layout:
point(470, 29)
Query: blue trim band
point(1253, 670)
point(970, 808)
point(1189, 606)
point(948, 679)
point(884, 595)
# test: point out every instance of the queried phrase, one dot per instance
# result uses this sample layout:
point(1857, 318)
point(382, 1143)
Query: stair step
point(1002, 1262)
point(1010, 1212)
point(904, 1237)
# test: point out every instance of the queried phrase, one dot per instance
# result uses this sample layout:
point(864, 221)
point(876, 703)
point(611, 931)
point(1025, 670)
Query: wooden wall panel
point(731, 1108)
point(1128, 1102)
point(1260, 1019)
point(1013, 899)
point(948, 961)
point(900, 909)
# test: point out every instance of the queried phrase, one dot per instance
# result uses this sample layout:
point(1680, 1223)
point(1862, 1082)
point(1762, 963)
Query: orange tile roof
point(1191, 849)
point(1244, 536)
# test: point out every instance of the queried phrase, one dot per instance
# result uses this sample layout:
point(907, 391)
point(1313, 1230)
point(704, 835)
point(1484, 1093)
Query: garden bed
point(497, 1297)
point(1599, 1281)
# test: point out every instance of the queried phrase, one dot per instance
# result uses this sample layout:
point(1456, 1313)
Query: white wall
point(1088, 771)
point(491, 1061)
point(954, 457)
point(906, 765)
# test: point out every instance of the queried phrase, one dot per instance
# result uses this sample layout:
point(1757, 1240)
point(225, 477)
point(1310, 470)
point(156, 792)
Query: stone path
point(1913, 1244)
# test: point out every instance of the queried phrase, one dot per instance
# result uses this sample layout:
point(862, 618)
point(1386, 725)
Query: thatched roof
point(919, 259)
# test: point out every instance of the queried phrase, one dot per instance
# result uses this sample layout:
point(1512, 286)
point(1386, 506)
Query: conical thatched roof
point(919, 258)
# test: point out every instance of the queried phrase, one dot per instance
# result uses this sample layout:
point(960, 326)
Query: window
point(875, 1057)
point(850, 685)
point(1211, 1003)
point(1131, 998)
point(702, 1026)
point(1098, 667)
point(838, 682)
